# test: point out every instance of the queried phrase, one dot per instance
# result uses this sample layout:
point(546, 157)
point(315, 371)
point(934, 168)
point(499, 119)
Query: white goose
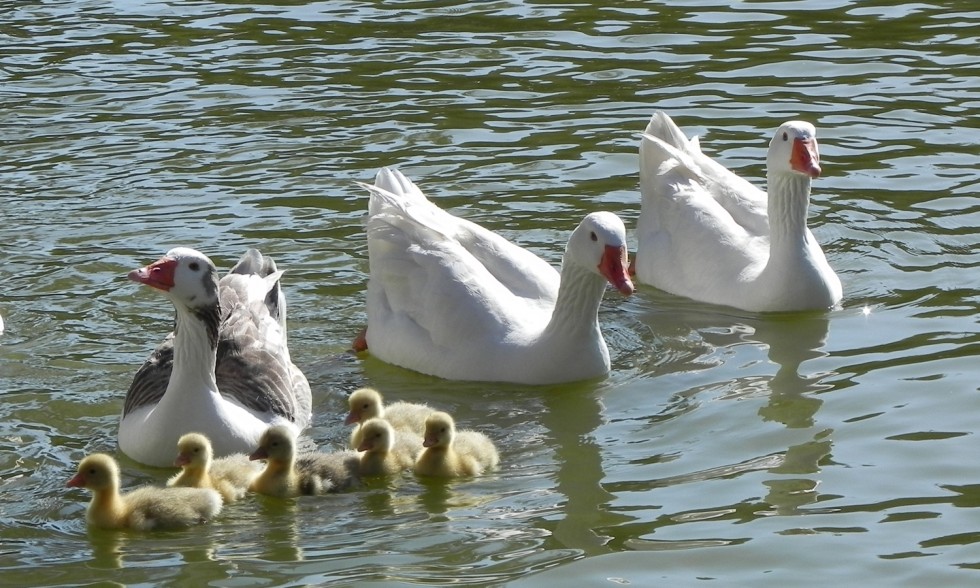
point(225, 371)
point(449, 298)
point(707, 234)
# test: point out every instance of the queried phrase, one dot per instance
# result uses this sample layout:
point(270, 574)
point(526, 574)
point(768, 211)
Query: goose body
point(225, 371)
point(229, 475)
point(449, 453)
point(385, 451)
point(449, 298)
point(287, 475)
point(146, 508)
point(367, 403)
point(710, 235)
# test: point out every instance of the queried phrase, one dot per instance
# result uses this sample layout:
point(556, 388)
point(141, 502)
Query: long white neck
point(789, 203)
point(195, 356)
point(577, 306)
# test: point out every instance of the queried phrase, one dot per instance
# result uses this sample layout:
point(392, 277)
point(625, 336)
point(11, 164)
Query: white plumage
point(449, 298)
point(225, 371)
point(708, 234)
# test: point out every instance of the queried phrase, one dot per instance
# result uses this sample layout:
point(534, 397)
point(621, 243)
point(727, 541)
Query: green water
point(724, 446)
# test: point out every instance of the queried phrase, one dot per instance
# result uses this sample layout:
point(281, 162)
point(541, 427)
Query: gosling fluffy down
point(367, 403)
point(145, 508)
point(449, 453)
point(229, 475)
point(287, 475)
point(385, 451)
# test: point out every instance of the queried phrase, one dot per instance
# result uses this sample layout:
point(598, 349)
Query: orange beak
point(613, 267)
point(159, 274)
point(805, 158)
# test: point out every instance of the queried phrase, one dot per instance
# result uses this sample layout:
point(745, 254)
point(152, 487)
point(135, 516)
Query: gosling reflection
point(281, 538)
point(112, 548)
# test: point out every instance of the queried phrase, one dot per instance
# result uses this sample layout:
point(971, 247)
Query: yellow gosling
point(229, 475)
point(367, 403)
point(385, 451)
point(286, 475)
point(145, 508)
point(450, 453)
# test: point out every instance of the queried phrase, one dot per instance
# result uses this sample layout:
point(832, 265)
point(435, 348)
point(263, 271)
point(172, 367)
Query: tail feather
point(663, 127)
point(253, 262)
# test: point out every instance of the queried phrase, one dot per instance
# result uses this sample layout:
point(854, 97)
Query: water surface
point(751, 449)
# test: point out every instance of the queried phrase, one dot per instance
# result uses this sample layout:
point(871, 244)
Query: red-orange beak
point(352, 417)
point(159, 274)
point(805, 158)
point(613, 267)
point(182, 460)
point(77, 481)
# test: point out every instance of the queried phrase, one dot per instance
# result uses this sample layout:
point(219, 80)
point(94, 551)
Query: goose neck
point(789, 202)
point(195, 347)
point(577, 305)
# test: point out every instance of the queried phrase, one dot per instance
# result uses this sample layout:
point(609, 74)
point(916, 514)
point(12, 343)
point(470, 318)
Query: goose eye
point(593, 236)
point(196, 266)
point(785, 136)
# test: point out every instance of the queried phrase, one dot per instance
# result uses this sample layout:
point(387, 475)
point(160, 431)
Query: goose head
point(193, 449)
point(186, 276)
point(377, 435)
point(278, 444)
point(96, 472)
point(364, 403)
point(794, 150)
point(599, 243)
point(440, 429)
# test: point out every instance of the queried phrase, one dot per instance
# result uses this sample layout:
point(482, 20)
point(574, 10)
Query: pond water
point(738, 447)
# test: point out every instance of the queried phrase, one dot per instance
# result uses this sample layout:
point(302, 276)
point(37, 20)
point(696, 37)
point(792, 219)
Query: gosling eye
point(593, 236)
point(194, 266)
point(785, 136)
